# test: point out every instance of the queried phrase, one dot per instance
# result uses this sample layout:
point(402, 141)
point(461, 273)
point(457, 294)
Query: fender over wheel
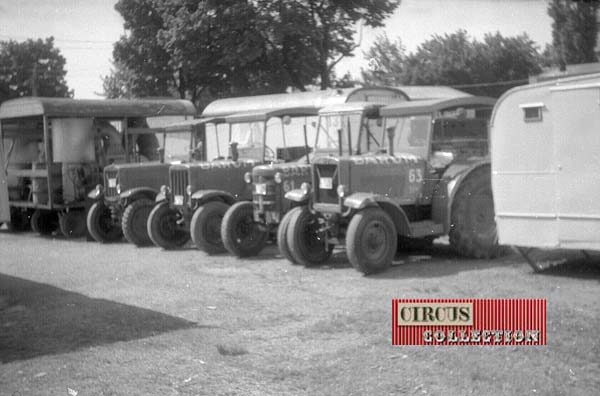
point(371, 240)
point(135, 220)
point(304, 240)
point(241, 235)
point(101, 225)
point(205, 227)
point(72, 224)
point(163, 228)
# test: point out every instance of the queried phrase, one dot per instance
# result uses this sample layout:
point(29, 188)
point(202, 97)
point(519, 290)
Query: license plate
point(112, 183)
point(260, 189)
point(178, 199)
point(326, 183)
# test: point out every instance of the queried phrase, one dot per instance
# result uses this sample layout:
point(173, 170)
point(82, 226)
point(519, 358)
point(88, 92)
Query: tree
point(574, 31)
point(32, 68)
point(487, 67)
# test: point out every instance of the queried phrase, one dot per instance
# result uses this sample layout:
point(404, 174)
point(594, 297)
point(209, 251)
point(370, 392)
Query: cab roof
point(108, 108)
point(434, 105)
point(186, 125)
point(353, 107)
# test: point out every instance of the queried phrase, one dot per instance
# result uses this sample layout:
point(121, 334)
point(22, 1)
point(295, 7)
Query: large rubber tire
point(134, 222)
point(100, 224)
point(72, 224)
point(473, 230)
point(44, 222)
point(282, 231)
point(163, 229)
point(241, 235)
point(205, 227)
point(371, 240)
point(19, 219)
point(306, 247)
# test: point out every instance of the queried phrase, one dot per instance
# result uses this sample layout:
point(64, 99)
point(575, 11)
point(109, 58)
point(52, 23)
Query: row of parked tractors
point(371, 170)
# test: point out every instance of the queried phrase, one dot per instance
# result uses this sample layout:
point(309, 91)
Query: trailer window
point(532, 111)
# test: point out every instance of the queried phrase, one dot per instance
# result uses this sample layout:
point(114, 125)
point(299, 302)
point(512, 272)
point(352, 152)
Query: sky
point(84, 30)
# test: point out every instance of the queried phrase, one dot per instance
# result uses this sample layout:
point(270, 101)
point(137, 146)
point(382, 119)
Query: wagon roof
point(187, 124)
point(265, 115)
point(314, 99)
point(422, 92)
point(352, 107)
point(66, 107)
point(433, 105)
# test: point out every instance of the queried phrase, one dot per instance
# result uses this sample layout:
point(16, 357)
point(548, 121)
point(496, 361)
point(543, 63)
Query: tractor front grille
point(179, 180)
point(111, 179)
point(326, 183)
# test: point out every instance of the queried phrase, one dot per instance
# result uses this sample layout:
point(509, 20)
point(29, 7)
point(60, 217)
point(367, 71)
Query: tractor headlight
point(188, 189)
point(305, 187)
point(248, 177)
point(165, 190)
point(118, 188)
point(278, 177)
point(342, 190)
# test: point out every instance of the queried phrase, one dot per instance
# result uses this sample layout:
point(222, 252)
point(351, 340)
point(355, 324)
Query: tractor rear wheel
point(163, 228)
point(205, 227)
point(44, 222)
point(282, 231)
point(473, 228)
point(135, 220)
point(100, 224)
point(306, 244)
point(241, 235)
point(72, 224)
point(371, 241)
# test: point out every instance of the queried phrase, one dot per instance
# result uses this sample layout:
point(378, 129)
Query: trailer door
point(576, 118)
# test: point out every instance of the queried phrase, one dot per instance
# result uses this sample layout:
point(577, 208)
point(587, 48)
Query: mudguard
point(358, 201)
point(203, 196)
point(452, 179)
point(97, 193)
point(138, 192)
point(297, 195)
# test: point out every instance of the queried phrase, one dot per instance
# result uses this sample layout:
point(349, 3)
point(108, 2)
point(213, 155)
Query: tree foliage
point(574, 31)
point(211, 48)
point(32, 67)
point(487, 67)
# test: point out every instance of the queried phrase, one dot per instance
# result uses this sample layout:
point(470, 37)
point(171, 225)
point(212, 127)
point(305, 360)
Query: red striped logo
point(467, 321)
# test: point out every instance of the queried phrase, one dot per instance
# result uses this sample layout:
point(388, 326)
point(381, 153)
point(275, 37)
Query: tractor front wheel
point(241, 235)
point(371, 241)
point(282, 231)
point(163, 228)
point(100, 224)
point(306, 243)
point(135, 220)
point(206, 227)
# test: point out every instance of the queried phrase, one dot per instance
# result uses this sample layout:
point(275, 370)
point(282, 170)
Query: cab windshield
point(411, 134)
point(362, 134)
point(249, 137)
point(177, 146)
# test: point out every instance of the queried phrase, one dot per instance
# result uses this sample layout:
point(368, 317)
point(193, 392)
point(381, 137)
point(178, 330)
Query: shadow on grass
point(568, 263)
point(37, 319)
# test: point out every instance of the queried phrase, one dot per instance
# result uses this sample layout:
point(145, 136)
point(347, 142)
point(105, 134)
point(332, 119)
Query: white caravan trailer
point(545, 148)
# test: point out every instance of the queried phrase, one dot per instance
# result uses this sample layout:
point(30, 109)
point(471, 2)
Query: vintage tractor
point(272, 181)
point(433, 180)
point(198, 194)
point(56, 148)
point(124, 202)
